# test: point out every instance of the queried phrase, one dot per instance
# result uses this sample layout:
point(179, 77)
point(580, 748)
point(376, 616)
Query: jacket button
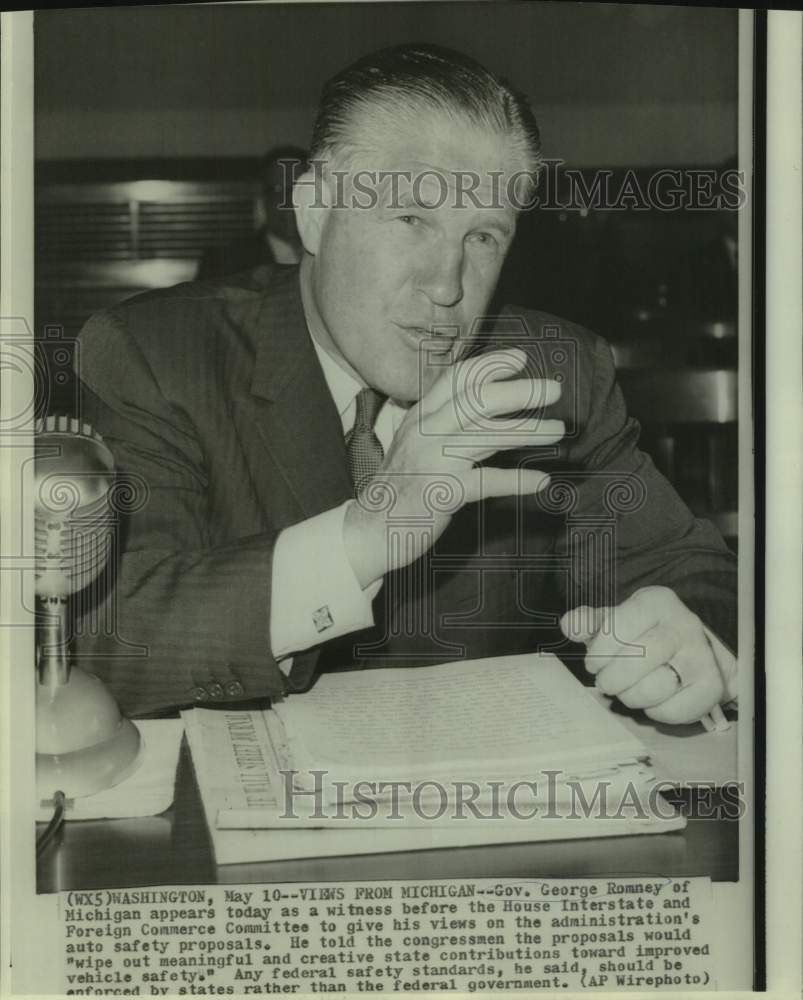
point(215, 690)
point(234, 689)
point(199, 693)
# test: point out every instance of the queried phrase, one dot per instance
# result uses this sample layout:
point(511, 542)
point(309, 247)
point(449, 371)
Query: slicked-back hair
point(405, 81)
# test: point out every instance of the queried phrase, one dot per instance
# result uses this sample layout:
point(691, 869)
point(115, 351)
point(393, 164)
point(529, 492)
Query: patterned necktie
point(363, 450)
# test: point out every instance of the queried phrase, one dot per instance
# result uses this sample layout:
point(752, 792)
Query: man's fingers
point(480, 484)
point(481, 403)
point(610, 630)
point(628, 621)
point(483, 368)
point(631, 662)
point(699, 689)
point(625, 662)
point(653, 689)
point(689, 704)
point(511, 434)
point(482, 406)
point(655, 619)
point(582, 623)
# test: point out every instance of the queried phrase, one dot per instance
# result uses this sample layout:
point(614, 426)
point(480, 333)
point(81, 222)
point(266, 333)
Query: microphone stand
point(83, 743)
point(53, 667)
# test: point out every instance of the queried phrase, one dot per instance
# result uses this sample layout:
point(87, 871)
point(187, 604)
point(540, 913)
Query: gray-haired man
point(256, 409)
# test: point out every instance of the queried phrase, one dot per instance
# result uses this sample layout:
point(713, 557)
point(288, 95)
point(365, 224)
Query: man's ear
point(310, 202)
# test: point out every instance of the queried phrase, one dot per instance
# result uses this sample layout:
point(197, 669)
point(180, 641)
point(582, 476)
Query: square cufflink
point(322, 619)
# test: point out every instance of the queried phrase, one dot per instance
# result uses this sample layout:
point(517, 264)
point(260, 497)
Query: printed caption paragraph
point(384, 937)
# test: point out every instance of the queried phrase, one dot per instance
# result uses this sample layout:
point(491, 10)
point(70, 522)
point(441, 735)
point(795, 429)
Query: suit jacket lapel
point(295, 415)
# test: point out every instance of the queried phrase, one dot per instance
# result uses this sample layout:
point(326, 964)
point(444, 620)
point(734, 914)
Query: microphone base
point(83, 743)
point(91, 769)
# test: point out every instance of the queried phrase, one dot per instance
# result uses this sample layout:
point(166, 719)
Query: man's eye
point(409, 220)
point(484, 239)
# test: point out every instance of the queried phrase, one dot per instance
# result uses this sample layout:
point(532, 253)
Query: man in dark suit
point(256, 410)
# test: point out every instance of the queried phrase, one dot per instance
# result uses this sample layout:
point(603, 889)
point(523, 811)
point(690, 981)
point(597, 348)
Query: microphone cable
point(56, 822)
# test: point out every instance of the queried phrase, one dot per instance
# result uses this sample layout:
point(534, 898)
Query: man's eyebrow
point(406, 198)
point(500, 225)
point(481, 218)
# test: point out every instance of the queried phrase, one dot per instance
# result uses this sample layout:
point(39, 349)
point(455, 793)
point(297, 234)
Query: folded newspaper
point(491, 751)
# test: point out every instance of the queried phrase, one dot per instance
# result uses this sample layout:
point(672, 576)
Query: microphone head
point(73, 517)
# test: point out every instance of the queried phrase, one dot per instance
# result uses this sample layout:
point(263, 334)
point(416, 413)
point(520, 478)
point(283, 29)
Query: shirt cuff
point(315, 595)
point(727, 664)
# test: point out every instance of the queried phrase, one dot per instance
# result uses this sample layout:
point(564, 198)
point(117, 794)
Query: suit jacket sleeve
point(186, 618)
point(655, 538)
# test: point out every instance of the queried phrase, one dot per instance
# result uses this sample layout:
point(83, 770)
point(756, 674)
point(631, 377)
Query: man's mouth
point(419, 336)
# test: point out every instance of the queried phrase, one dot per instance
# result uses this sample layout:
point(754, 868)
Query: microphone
point(83, 743)
point(73, 527)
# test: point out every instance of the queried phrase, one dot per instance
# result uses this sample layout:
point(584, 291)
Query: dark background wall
point(612, 84)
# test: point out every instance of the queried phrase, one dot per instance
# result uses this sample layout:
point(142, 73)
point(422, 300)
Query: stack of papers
point(385, 760)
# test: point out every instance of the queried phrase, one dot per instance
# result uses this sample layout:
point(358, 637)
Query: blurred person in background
point(276, 241)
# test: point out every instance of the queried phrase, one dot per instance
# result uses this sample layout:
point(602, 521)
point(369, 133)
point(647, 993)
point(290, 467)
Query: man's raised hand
point(430, 470)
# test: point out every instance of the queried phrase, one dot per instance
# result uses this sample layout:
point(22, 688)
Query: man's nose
point(441, 275)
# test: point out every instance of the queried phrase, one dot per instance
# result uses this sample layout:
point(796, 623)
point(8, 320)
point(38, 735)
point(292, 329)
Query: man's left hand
point(651, 652)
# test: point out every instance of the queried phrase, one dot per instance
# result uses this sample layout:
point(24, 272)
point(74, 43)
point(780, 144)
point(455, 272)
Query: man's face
point(421, 263)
